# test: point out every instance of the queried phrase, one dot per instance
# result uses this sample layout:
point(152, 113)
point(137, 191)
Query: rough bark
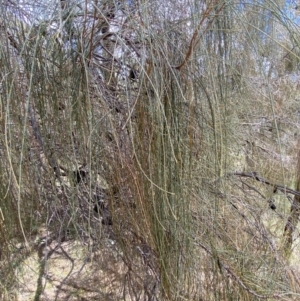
point(292, 220)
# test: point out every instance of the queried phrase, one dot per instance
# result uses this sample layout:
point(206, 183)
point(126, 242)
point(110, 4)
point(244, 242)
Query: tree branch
point(194, 42)
point(277, 187)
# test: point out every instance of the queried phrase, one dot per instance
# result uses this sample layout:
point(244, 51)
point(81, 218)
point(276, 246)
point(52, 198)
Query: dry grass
point(155, 120)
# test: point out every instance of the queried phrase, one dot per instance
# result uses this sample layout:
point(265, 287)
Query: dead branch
point(277, 187)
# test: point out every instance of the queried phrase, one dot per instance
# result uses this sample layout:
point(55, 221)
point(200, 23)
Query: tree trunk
point(292, 221)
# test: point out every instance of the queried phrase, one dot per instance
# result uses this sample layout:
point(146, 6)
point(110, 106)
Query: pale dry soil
point(72, 273)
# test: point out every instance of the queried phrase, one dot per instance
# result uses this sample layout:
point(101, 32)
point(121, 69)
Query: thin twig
point(237, 278)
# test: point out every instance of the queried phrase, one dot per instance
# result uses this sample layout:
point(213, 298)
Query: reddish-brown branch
point(194, 40)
